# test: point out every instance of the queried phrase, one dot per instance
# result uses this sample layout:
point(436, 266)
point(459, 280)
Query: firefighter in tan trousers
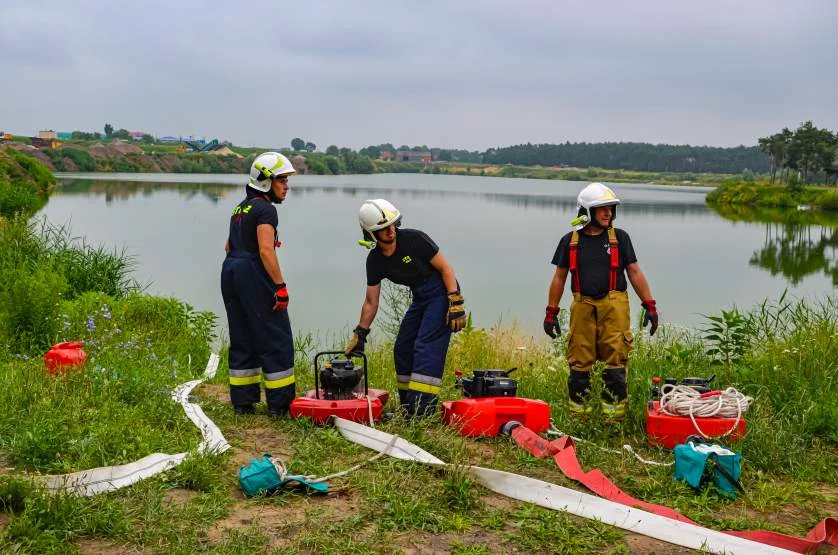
point(598, 258)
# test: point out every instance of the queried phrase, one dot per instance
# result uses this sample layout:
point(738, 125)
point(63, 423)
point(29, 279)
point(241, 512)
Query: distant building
point(64, 135)
point(385, 155)
point(169, 139)
point(39, 142)
point(137, 135)
point(47, 134)
point(413, 156)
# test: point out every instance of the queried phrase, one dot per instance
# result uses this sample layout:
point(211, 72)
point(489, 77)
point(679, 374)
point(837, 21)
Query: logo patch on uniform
point(607, 248)
point(407, 260)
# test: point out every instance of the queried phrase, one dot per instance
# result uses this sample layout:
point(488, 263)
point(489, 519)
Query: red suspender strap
point(574, 268)
point(615, 259)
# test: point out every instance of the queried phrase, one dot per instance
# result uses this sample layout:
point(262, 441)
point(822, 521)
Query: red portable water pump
point(669, 430)
point(490, 402)
point(341, 393)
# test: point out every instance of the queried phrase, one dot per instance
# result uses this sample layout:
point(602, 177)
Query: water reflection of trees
point(797, 243)
point(124, 190)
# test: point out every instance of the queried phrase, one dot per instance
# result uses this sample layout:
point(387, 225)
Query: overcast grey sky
point(467, 74)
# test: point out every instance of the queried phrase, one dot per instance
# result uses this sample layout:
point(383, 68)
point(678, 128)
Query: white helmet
point(266, 166)
point(376, 214)
point(593, 196)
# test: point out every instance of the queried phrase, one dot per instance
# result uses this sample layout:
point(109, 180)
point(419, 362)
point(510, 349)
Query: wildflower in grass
point(91, 324)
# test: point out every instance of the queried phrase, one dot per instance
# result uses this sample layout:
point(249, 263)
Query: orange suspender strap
point(574, 268)
point(615, 259)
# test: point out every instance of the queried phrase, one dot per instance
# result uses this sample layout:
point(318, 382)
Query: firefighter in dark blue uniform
point(255, 296)
point(409, 257)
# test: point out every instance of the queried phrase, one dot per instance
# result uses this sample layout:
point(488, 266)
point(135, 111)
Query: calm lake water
point(499, 234)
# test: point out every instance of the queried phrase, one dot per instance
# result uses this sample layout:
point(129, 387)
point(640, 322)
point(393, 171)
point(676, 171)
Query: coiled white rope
point(682, 400)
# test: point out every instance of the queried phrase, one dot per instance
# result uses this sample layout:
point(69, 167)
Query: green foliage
point(81, 158)
point(298, 144)
point(85, 136)
point(728, 337)
point(332, 150)
point(108, 130)
point(764, 195)
point(42, 264)
point(24, 183)
point(123, 134)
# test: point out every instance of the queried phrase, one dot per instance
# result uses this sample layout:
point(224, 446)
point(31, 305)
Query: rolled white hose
point(682, 400)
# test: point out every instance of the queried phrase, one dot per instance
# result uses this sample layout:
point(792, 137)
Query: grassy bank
point(118, 409)
point(783, 354)
point(765, 195)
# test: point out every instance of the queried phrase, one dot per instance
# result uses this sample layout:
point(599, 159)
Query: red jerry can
point(65, 355)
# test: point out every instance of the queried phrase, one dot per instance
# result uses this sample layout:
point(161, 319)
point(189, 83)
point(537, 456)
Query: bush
point(29, 305)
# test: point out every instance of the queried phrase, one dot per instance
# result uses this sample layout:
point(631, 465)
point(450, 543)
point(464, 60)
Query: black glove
point(551, 322)
point(355, 345)
point(650, 314)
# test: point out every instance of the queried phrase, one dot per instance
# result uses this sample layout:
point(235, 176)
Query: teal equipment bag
point(267, 474)
point(698, 463)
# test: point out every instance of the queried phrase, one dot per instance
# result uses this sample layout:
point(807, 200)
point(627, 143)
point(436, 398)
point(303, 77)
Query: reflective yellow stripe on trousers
point(245, 376)
point(275, 380)
point(424, 384)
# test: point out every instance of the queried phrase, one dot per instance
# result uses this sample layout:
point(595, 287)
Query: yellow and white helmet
point(376, 214)
point(593, 196)
point(266, 166)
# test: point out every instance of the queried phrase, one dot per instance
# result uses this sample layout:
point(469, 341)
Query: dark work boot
point(579, 390)
point(243, 409)
point(614, 393)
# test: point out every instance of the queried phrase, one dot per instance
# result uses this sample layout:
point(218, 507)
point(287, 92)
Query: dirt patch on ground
point(178, 496)
point(100, 547)
point(253, 442)
point(119, 148)
point(277, 517)
point(643, 544)
point(30, 150)
point(500, 502)
point(98, 151)
point(432, 544)
point(217, 391)
point(69, 165)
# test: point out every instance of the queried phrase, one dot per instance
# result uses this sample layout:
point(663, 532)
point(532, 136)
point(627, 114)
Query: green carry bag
point(267, 474)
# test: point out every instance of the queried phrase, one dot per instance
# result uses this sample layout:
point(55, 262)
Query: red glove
point(650, 315)
point(281, 297)
point(551, 322)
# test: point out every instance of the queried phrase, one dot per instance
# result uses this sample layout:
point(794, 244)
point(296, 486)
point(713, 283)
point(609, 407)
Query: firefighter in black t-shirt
point(598, 260)
point(409, 257)
point(255, 296)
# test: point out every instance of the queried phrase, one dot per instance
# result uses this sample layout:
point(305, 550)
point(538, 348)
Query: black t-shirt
point(409, 265)
point(593, 258)
point(249, 213)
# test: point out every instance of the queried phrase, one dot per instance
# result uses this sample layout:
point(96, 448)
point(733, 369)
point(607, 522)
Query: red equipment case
point(669, 431)
point(484, 416)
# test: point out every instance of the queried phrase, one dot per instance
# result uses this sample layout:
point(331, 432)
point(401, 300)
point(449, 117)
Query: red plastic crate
point(669, 431)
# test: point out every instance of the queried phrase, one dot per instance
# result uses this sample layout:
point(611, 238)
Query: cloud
point(470, 74)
